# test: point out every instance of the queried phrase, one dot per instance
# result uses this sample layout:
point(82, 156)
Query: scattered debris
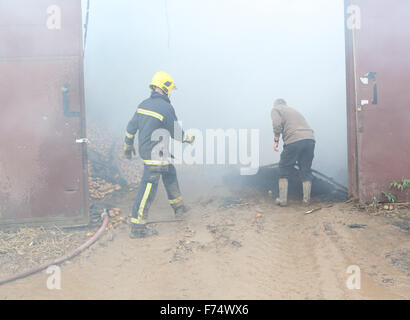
point(236, 244)
point(28, 247)
point(317, 209)
point(231, 202)
point(402, 223)
point(99, 188)
point(114, 223)
point(114, 212)
point(184, 249)
point(388, 280)
point(400, 259)
point(357, 226)
point(313, 210)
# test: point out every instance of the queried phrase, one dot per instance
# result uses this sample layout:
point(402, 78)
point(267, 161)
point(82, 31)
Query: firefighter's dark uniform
point(152, 115)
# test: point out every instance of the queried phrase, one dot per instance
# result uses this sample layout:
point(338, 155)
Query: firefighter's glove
point(189, 138)
point(129, 150)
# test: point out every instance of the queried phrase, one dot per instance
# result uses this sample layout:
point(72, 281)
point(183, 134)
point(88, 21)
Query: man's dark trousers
point(301, 153)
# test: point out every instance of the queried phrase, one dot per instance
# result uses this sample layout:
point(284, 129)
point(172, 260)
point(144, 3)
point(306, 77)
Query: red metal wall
point(378, 77)
point(43, 171)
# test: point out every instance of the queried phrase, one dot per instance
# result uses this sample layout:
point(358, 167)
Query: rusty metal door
point(378, 77)
point(43, 165)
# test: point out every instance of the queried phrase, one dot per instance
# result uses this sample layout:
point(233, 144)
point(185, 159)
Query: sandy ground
point(255, 250)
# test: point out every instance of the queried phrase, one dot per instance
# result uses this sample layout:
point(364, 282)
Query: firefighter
point(298, 148)
point(156, 123)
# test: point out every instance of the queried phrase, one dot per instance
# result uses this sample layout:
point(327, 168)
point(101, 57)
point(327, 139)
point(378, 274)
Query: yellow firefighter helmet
point(163, 81)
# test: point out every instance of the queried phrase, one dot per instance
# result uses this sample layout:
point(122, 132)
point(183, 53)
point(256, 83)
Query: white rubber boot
point(283, 193)
point(307, 188)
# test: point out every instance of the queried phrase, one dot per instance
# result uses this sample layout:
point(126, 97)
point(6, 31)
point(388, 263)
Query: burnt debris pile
point(108, 171)
point(265, 182)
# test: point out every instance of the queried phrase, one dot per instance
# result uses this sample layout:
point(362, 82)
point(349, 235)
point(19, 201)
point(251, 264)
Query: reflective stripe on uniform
point(129, 135)
point(144, 200)
point(176, 200)
point(156, 162)
point(151, 113)
point(138, 221)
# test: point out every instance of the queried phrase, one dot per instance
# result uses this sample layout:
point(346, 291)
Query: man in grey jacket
point(298, 148)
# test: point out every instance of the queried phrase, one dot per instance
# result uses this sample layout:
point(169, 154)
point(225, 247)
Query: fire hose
point(72, 254)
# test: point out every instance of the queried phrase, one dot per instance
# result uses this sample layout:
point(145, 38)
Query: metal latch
point(365, 80)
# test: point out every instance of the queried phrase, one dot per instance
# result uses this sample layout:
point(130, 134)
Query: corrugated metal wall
point(43, 171)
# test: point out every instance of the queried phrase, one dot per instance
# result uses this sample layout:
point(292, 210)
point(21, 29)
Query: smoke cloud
point(230, 60)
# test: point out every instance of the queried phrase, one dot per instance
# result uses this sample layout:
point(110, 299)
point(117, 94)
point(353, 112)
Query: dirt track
point(254, 250)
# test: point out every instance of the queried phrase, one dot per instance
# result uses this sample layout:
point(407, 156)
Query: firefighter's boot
point(283, 193)
point(181, 210)
point(307, 188)
point(142, 231)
